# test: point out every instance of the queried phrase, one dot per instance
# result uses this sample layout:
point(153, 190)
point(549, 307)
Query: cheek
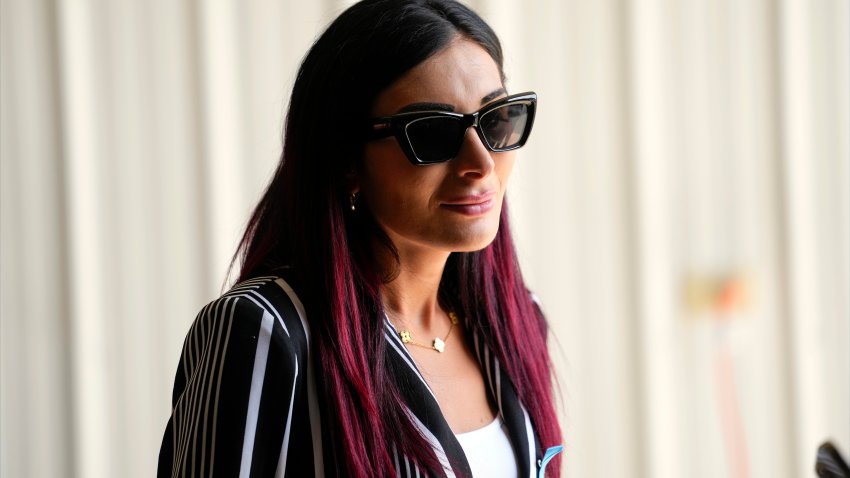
point(391, 184)
point(504, 166)
point(380, 170)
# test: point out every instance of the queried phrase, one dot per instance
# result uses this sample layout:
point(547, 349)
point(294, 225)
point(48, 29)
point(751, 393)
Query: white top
point(489, 451)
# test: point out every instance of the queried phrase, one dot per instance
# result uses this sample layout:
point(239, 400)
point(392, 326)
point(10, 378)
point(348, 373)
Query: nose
point(473, 160)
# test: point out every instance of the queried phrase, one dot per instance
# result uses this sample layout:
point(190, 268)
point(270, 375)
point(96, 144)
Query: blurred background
point(682, 211)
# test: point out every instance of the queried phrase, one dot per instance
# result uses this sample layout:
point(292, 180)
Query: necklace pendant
point(439, 345)
point(405, 336)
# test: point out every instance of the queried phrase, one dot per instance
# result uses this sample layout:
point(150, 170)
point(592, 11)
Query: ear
point(353, 181)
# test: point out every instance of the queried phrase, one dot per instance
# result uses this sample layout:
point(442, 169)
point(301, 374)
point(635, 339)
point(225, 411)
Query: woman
point(380, 326)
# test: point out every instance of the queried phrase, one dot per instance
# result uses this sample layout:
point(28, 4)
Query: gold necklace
point(438, 344)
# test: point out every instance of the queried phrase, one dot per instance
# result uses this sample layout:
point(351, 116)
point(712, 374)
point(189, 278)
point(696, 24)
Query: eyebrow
point(426, 107)
point(492, 96)
point(447, 107)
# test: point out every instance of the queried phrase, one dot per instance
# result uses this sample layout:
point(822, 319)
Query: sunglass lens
point(505, 126)
point(435, 139)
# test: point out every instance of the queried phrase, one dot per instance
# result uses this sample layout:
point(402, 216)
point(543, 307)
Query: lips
point(471, 204)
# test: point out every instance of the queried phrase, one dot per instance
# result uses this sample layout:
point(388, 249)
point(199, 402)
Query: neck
point(411, 298)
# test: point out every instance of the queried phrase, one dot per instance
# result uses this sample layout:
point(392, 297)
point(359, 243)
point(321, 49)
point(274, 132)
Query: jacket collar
point(422, 403)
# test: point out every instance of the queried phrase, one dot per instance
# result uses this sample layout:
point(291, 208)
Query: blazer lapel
point(427, 415)
point(520, 431)
point(423, 405)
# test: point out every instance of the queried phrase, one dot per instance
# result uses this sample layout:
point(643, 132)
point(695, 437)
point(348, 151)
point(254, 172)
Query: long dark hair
point(304, 222)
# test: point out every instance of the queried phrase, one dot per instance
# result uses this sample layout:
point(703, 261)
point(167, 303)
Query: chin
point(476, 238)
point(470, 244)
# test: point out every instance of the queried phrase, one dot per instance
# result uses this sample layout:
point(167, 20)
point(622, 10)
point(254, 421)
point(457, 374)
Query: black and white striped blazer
point(245, 399)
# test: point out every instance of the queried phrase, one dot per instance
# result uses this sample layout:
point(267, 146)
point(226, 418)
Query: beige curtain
point(682, 211)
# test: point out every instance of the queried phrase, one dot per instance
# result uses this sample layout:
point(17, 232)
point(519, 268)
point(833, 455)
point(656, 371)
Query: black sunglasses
point(429, 137)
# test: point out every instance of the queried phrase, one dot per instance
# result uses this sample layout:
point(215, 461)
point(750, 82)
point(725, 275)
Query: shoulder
point(239, 379)
point(253, 299)
point(257, 323)
point(258, 311)
point(267, 295)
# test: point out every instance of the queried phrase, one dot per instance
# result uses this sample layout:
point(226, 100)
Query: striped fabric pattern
point(245, 399)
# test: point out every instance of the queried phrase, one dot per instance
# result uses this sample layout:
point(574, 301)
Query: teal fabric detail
point(547, 457)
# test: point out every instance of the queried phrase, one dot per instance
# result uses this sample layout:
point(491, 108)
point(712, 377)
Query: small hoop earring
point(352, 200)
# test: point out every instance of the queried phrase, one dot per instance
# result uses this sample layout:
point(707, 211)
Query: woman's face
point(452, 206)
